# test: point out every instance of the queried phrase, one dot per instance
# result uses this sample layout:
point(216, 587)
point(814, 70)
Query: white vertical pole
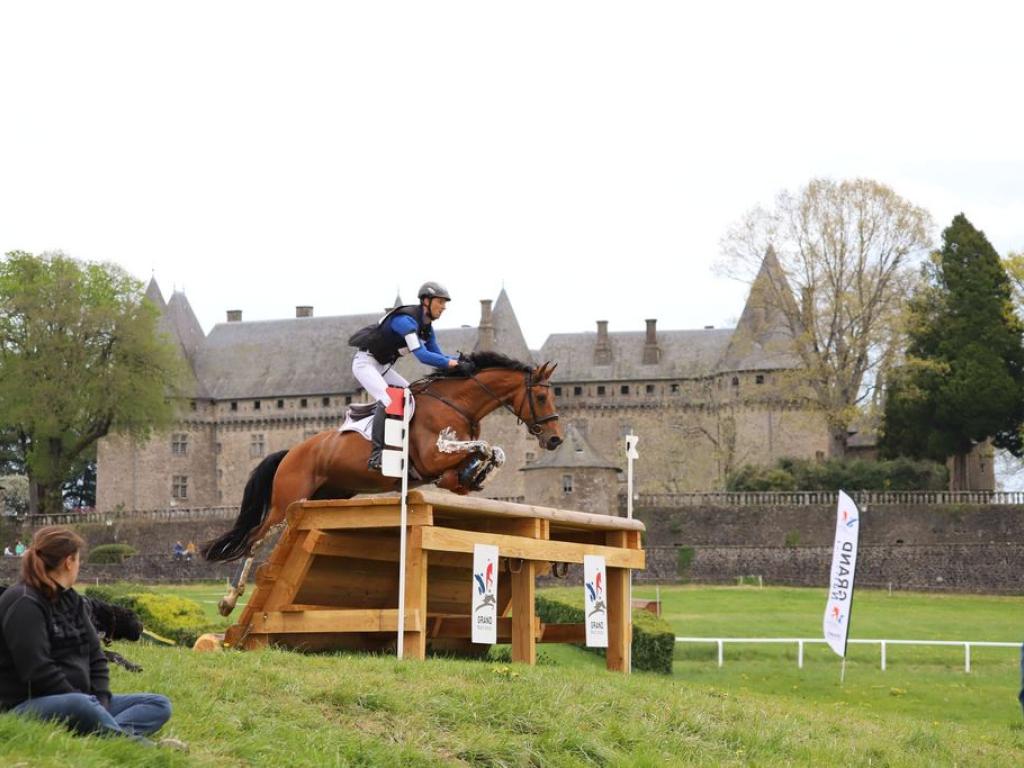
point(967, 657)
point(406, 397)
point(631, 441)
point(721, 660)
point(883, 655)
point(800, 654)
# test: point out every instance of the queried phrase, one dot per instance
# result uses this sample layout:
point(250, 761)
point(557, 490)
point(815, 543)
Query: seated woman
point(51, 663)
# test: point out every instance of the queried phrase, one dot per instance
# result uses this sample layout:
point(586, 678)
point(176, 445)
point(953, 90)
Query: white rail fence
point(802, 641)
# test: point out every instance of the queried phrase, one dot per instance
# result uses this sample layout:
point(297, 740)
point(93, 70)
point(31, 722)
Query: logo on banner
point(485, 591)
point(595, 605)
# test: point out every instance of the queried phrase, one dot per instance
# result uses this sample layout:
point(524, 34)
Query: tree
point(963, 380)
point(80, 356)
point(845, 253)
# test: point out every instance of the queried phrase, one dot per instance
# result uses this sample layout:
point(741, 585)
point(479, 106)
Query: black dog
point(113, 622)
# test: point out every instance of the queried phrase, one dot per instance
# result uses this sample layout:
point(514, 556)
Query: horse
point(444, 448)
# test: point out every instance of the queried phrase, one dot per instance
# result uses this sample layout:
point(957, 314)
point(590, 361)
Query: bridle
point(533, 424)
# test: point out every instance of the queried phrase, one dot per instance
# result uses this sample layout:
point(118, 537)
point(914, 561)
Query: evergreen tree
point(963, 380)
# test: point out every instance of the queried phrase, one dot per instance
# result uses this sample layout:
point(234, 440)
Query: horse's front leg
point(470, 474)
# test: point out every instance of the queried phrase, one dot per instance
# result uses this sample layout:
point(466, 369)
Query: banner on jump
point(485, 593)
point(594, 601)
point(844, 565)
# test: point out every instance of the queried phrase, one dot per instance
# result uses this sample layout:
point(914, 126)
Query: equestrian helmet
point(433, 291)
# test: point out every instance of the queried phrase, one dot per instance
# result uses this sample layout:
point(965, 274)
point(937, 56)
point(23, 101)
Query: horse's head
point(536, 407)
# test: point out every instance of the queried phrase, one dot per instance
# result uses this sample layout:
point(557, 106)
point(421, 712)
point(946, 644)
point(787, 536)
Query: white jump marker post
point(631, 456)
point(395, 463)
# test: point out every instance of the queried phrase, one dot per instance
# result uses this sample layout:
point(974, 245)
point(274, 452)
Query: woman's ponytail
point(50, 546)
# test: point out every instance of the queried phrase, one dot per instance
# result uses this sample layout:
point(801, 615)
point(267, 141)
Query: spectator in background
point(179, 551)
point(19, 548)
point(190, 551)
point(8, 552)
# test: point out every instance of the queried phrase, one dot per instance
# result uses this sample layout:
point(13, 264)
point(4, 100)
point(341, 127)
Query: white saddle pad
point(365, 426)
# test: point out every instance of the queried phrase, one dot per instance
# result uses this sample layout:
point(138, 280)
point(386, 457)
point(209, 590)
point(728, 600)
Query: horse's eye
point(542, 398)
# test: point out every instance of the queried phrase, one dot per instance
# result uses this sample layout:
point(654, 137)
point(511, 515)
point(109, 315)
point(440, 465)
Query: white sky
point(587, 156)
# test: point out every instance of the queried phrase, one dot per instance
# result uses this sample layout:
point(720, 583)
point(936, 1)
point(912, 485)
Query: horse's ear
point(545, 371)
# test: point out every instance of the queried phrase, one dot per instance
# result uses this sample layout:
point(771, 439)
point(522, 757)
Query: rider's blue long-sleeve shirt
point(428, 352)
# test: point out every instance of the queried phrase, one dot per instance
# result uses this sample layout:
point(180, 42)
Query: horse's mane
point(479, 361)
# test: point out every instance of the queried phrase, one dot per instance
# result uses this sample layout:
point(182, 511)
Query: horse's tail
point(255, 505)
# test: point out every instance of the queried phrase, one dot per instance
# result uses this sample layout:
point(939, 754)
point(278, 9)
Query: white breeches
point(375, 376)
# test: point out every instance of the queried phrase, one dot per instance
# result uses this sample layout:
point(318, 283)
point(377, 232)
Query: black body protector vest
point(383, 343)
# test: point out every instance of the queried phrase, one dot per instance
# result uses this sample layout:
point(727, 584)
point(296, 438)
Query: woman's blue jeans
point(132, 714)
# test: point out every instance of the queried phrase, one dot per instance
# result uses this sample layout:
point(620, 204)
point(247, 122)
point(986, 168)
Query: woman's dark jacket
point(48, 648)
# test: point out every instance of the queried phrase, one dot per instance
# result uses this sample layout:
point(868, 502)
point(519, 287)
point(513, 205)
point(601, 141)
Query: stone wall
point(988, 568)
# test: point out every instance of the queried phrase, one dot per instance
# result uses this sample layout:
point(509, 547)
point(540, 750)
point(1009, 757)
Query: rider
point(402, 330)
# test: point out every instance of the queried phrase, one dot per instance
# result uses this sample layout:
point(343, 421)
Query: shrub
point(653, 638)
point(851, 475)
point(685, 557)
point(106, 554)
point(176, 618)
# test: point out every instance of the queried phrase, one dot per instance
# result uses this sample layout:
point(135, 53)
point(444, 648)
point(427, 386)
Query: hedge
point(110, 553)
point(653, 638)
point(177, 618)
point(835, 474)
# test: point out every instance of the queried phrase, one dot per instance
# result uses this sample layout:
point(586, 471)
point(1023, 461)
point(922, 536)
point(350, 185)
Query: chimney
point(603, 347)
point(234, 315)
point(304, 311)
point(652, 353)
point(486, 340)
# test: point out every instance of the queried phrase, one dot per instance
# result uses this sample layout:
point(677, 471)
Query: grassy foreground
point(283, 709)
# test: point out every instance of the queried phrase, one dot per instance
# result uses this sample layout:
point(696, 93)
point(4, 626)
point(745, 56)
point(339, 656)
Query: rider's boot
point(377, 436)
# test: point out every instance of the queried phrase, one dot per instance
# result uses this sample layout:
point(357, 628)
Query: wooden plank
point(563, 633)
point(459, 627)
point(367, 547)
point(453, 540)
point(524, 641)
point(338, 620)
point(620, 620)
point(475, 506)
point(415, 640)
point(354, 518)
point(292, 574)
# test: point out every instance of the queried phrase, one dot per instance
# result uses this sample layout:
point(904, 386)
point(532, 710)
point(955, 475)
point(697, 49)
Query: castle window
point(325, 401)
point(280, 403)
point(348, 399)
point(735, 381)
point(179, 487)
point(234, 405)
point(257, 446)
point(624, 389)
point(255, 405)
point(759, 379)
point(577, 391)
point(303, 403)
point(558, 391)
point(217, 448)
point(530, 457)
point(675, 389)
point(566, 483)
point(650, 389)
point(192, 405)
point(179, 444)
point(600, 389)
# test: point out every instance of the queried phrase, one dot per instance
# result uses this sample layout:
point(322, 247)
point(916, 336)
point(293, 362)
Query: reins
point(533, 424)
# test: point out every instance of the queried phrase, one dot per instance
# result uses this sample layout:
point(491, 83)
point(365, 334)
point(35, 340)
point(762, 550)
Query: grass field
point(282, 709)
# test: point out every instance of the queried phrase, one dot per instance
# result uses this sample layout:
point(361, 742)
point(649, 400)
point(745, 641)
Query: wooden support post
point(620, 621)
point(524, 641)
point(415, 641)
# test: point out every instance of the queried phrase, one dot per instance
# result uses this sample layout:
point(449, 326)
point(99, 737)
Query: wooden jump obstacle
point(332, 579)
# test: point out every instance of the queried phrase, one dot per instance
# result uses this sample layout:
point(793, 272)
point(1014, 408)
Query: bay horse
point(450, 404)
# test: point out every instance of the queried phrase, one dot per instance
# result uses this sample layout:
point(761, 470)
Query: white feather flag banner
point(844, 566)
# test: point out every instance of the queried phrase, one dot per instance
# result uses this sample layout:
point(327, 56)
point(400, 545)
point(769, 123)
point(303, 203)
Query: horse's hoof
point(224, 607)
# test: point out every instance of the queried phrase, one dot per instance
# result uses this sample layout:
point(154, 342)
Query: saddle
point(360, 411)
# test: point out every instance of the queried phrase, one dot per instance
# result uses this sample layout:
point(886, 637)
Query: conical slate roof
point(508, 336)
point(574, 453)
point(186, 325)
point(154, 294)
point(763, 339)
